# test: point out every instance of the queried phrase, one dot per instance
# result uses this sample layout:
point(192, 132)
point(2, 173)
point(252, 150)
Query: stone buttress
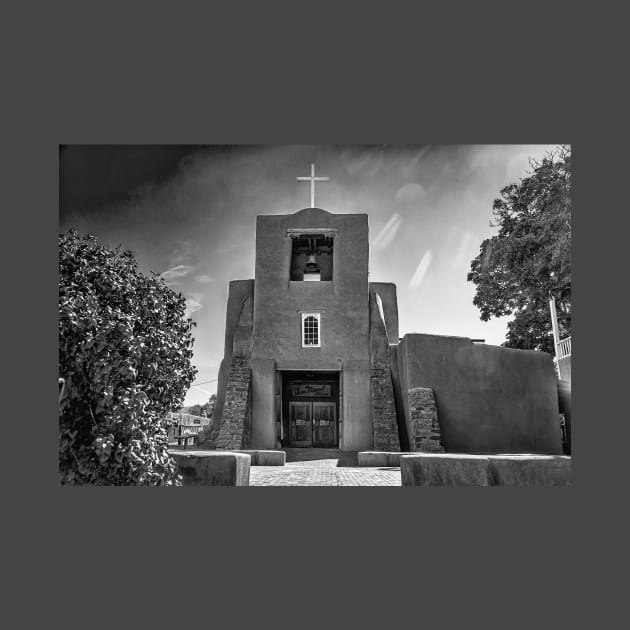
point(425, 429)
point(385, 423)
point(232, 429)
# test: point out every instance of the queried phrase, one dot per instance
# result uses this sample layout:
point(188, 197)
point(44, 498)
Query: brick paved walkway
point(322, 472)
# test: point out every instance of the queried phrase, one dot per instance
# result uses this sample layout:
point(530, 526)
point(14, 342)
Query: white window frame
point(317, 316)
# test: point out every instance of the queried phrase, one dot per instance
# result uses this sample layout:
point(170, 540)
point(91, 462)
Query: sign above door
point(311, 390)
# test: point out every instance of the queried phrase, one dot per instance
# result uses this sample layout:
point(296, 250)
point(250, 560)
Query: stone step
point(345, 458)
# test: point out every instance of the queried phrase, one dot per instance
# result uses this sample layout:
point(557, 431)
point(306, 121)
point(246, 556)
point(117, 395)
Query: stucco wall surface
point(342, 302)
point(489, 399)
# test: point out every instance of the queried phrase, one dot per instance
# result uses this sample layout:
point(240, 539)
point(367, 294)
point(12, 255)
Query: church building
point(313, 359)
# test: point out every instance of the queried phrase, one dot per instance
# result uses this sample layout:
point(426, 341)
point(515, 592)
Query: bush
point(124, 352)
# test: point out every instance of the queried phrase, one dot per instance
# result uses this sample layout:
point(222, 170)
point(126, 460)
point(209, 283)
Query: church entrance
point(310, 409)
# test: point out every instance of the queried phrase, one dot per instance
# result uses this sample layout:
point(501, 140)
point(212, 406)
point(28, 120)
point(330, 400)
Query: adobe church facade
point(313, 359)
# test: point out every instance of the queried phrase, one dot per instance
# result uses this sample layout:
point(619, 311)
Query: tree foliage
point(529, 259)
point(125, 353)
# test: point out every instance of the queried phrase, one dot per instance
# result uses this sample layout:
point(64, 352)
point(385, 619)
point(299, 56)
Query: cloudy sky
point(189, 213)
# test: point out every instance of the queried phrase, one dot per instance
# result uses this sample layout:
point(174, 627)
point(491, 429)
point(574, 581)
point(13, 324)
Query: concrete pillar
point(403, 430)
point(263, 403)
point(357, 406)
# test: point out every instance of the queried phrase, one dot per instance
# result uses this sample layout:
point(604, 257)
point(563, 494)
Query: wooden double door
point(313, 424)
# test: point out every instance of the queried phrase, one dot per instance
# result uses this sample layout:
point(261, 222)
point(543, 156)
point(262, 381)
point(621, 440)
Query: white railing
point(186, 423)
point(563, 348)
point(182, 429)
point(187, 419)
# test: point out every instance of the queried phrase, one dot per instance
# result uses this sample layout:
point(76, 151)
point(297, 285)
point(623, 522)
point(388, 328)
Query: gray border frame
point(230, 76)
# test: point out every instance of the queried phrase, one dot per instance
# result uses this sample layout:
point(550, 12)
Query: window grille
point(311, 337)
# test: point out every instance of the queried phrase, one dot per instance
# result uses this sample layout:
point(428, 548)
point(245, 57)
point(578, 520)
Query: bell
point(311, 269)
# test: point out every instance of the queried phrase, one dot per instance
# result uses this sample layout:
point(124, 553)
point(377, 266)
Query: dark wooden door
point(324, 425)
point(300, 424)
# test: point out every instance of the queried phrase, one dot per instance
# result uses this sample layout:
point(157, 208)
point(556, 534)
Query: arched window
point(311, 334)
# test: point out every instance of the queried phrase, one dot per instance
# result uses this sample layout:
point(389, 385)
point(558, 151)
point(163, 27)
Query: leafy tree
point(194, 410)
point(124, 352)
point(209, 406)
point(529, 259)
point(199, 410)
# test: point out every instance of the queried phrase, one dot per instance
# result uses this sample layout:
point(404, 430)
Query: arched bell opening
point(312, 258)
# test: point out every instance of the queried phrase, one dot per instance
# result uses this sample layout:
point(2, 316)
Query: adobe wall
point(489, 399)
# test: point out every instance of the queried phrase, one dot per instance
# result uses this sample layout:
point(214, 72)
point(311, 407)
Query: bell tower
point(311, 327)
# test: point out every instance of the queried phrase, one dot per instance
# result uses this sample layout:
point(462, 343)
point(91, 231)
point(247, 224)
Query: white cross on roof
point(313, 179)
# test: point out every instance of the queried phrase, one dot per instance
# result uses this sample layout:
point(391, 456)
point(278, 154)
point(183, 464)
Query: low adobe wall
point(455, 469)
point(265, 457)
point(212, 468)
point(489, 399)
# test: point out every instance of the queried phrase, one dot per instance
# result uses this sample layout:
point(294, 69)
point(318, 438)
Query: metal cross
point(312, 179)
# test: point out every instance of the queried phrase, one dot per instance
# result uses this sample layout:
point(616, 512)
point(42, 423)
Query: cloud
point(363, 161)
point(204, 279)
point(411, 193)
point(465, 251)
point(181, 252)
point(193, 303)
point(409, 166)
point(386, 235)
point(421, 270)
point(178, 271)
